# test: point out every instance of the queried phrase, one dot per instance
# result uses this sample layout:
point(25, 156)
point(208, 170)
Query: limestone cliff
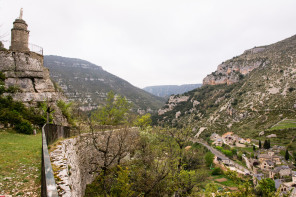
point(247, 94)
point(25, 71)
point(172, 102)
point(233, 70)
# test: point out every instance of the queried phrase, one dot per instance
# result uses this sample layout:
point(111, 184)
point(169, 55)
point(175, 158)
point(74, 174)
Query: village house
point(278, 183)
point(277, 148)
point(285, 187)
point(218, 142)
point(267, 165)
point(224, 161)
point(217, 139)
point(280, 172)
point(241, 140)
point(227, 134)
point(229, 138)
point(270, 156)
point(263, 157)
point(215, 136)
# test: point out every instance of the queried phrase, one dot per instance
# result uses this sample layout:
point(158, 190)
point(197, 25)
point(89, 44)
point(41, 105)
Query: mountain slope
point(89, 84)
point(167, 90)
point(246, 94)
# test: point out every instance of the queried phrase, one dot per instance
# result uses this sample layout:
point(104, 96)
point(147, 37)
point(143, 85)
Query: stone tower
point(19, 35)
point(24, 70)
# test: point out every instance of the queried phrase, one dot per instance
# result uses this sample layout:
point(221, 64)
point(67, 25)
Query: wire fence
point(33, 47)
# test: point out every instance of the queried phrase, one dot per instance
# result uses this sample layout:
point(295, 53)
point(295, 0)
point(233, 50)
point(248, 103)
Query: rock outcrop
point(25, 71)
point(262, 93)
point(233, 70)
point(173, 101)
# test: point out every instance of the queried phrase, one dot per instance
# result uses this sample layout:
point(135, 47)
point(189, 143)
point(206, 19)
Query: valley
point(70, 128)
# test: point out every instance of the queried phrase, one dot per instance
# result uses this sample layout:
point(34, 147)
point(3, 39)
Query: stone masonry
point(24, 70)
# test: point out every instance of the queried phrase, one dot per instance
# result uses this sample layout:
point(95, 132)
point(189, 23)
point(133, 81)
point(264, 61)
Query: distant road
point(223, 157)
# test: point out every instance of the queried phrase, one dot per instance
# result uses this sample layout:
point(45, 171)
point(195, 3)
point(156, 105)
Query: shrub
point(217, 171)
point(16, 113)
point(219, 148)
point(66, 109)
point(291, 89)
point(228, 153)
point(24, 127)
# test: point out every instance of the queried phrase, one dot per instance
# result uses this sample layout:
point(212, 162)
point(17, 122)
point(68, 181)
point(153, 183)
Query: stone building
point(270, 156)
point(24, 70)
point(267, 165)
point(19, 35)
point(281, 171)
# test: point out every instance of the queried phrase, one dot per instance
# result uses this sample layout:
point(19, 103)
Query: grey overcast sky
point(152, 42)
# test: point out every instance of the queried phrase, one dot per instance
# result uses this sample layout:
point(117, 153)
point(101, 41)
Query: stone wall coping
point(49, 185)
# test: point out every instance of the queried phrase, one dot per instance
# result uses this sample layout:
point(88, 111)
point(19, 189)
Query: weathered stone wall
point(73, 161)
point(25, 71)
point(76, 161)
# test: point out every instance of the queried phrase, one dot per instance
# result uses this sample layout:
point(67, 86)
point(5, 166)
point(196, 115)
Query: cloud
point(151, 42)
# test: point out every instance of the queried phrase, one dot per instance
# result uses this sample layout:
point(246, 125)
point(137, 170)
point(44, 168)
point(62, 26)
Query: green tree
point(186, 180)
point(209, 157)
point(143, 121)
point(287, 156)
point(122, 186)
point(67, 110)
point(234, 151)
point(266, 187)
point(266, 144)
point(210, 188)
point(114, 112)
point(217, 171)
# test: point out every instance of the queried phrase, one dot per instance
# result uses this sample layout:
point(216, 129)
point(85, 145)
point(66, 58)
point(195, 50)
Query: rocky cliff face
point(233, 70)
point(26, 72)
point(246, 94)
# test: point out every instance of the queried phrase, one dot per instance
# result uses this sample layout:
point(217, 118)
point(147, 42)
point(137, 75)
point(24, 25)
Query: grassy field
point(20, 164)
point(284, 124)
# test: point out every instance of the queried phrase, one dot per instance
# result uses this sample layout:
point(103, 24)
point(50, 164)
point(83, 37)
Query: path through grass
point(20, 164)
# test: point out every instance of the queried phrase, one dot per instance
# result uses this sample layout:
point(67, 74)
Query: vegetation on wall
point(67, 110)
point(16, 114)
